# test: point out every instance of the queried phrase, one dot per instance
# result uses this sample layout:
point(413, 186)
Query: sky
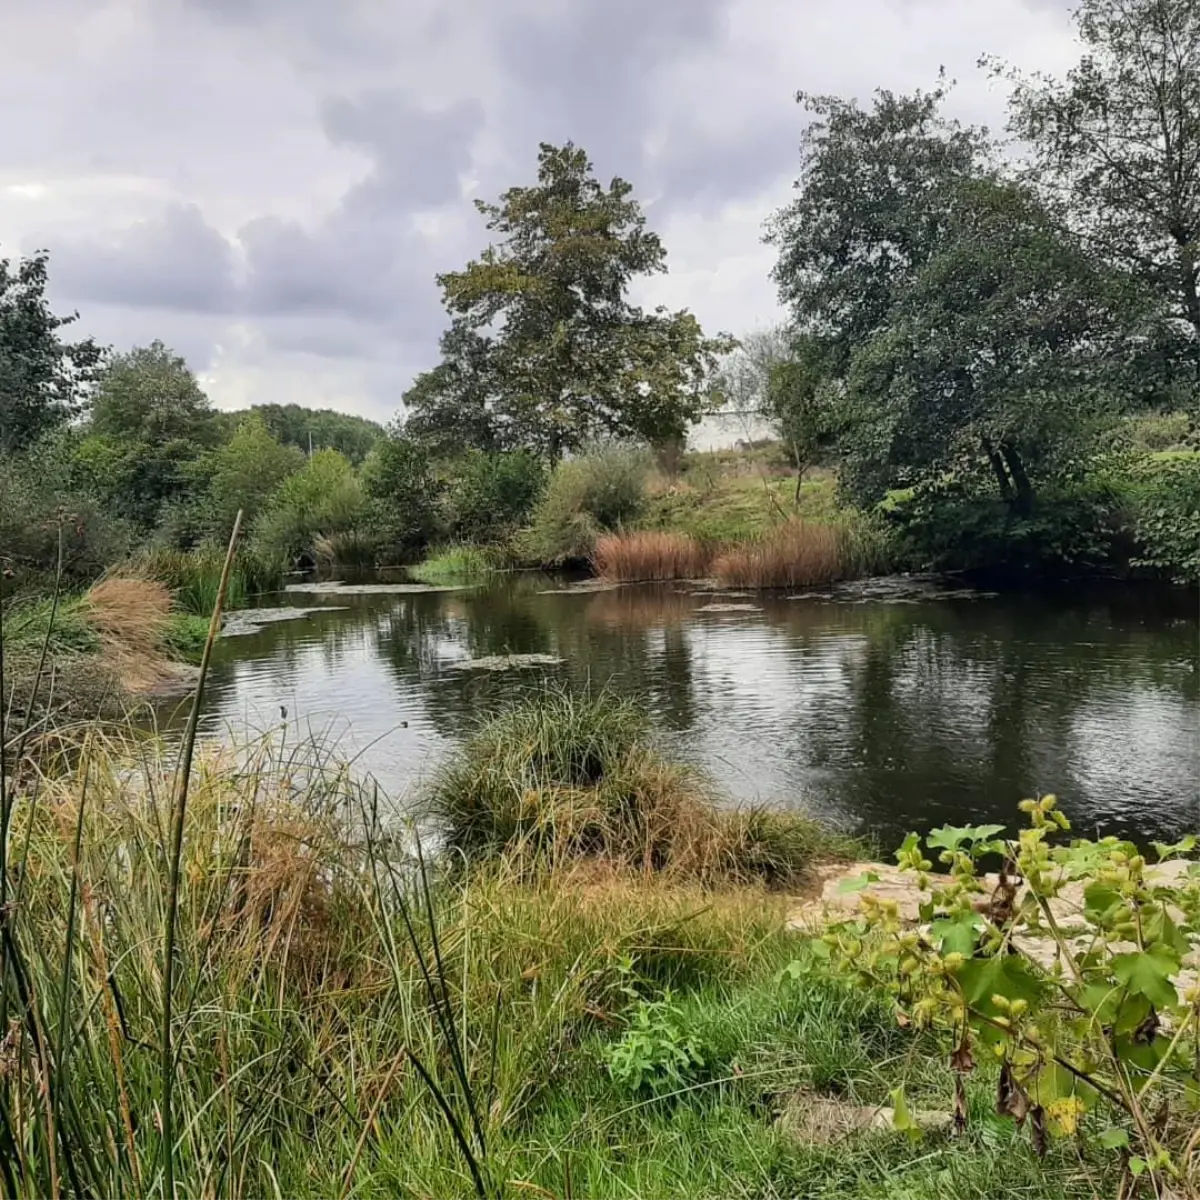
point(271, 186)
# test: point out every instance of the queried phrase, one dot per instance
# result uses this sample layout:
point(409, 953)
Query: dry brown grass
point(649, 555)
point(130, 617)
point(792, 554)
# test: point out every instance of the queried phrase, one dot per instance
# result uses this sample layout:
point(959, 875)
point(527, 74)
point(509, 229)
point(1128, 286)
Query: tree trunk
point(1016, 468)
point(1006, 489)
point(800, 467)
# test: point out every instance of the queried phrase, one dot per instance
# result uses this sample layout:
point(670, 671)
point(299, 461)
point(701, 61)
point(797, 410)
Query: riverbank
point(555, 1016)
point(122, 643)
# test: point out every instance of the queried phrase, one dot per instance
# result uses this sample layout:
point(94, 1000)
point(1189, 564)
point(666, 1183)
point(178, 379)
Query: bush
point(1160, 431)
point(39, 501)
point(1166, 502)
point(649, 554)
point(492, 495)
point(558, 778)
point(459, 564)
point(325, 498)
point(957, 527)
point(586, 496)
point(397, 478)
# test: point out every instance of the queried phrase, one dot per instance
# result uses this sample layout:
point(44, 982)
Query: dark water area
point(880, 714)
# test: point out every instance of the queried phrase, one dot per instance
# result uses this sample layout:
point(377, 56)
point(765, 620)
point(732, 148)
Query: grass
point(793, 554)
point(648, 555)
point(560, 779)
point(194, 576)
point(457, 564)
point(302, 1011)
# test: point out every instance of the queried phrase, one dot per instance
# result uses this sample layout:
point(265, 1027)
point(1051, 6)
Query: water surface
point(882, 715)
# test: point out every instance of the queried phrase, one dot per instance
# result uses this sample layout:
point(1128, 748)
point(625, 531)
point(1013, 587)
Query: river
point(881, 709)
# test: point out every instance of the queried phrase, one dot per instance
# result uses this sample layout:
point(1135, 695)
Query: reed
point(649, 555)
point(791, 554)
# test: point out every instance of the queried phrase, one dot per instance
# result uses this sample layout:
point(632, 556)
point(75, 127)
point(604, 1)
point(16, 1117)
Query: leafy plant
point(1064, 969)
point(656, 1053)
point(1167, 520)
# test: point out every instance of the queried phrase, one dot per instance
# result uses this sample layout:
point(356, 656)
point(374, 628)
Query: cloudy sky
point(270, 185)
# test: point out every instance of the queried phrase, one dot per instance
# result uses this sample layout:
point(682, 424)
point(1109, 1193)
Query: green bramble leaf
point(951, 837)
point(1148, 973)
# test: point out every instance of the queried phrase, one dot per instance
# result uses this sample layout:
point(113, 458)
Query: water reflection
point(882, 716)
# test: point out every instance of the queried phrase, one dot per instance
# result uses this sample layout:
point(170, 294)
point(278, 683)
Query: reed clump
point(794, 553)
point(562, 778)
point(649, 555)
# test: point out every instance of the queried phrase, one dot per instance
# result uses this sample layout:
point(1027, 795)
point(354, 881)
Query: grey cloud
point(175, 261)
point(419, 154)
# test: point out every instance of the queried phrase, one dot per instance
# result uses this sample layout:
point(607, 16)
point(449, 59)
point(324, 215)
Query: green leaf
point(1101, 902)
point(858, 883)
point(951, 837)
point(957, 935)
point(1113, 1139)
point(902, 1119)
point(1148, 973)
point(1137, 1166)
point(1004, 975)
point(1165, 850)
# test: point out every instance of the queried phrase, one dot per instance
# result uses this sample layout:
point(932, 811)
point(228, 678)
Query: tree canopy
point(44, 379)
point(545, 350)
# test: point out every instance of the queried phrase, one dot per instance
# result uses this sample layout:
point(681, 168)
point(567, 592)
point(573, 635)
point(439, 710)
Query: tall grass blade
point(179, 811)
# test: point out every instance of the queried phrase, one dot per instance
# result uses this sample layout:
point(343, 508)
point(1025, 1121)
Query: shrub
point(559, 778)
point(397, 478)
point(1159, 431)
point(492, 495)
point(1166, 501)
point(649, 554)
point(40, 501)
point(586, 496)
point(792, 554)
point(657, 1052)
point(324, 498)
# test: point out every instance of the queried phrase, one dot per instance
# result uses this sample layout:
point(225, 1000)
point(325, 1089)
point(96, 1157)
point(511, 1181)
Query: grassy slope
point(305, 1010)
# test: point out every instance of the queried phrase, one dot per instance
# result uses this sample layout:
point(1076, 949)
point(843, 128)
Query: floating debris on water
point(507, 662)
point(336, 587)
point(724, 608)
point(583, 586)
point(896, 589)
point(252, 620)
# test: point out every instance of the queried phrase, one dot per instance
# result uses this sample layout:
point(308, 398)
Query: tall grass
point(791, 554)
point(458, 564)
point(649, 555)
point(194, 576)
point(562, 778)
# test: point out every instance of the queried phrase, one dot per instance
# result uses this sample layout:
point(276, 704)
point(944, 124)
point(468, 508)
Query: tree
point(43, 379)
point(244, 474)
point(1118, 141)
point(397, 478)
point(873, 201)
point(1000, 353)
point(318, 429)
point(801, 402)
point(545, 351)
point(149, 422)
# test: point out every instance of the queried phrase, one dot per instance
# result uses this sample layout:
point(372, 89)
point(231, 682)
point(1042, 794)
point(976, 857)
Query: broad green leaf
point(1004, 975)
point(1165, 850)
point(1157, 926)
point(1137, 1166)
point(858, 883)
point(1051, 1082)
point(951, 837)
point(1113, 1139)
point(1101, 902)
point(1148, 973)
point(958, 935)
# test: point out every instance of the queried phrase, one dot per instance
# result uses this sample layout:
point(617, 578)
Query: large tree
point(1000, 356)
point(545, 350)
point(43, 378)
point(872, 202)
point(1118, 141)
point(150, 422)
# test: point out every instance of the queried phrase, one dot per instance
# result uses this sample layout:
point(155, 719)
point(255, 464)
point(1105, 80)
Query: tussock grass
point(562, 778)
point(649, 555)
point(792, 554)
point(193, 576)
point(458, 564)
